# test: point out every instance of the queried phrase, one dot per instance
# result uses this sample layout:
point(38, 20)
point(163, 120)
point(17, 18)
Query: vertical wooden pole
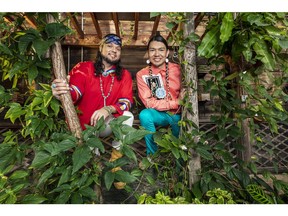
point(60, 73)
point(194, 164)
point(245, 139)
point(66, 100)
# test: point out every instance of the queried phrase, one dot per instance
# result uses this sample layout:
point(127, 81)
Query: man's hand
point(59, 87)
point(97, 115)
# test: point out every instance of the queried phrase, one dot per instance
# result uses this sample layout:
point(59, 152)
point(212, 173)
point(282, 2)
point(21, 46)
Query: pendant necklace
point(110, 90)
point(160, 93)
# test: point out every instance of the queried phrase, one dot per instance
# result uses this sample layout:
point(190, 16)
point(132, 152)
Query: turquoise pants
point(150, 119)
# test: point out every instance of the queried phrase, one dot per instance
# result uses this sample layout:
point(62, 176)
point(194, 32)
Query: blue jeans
point(150, 119)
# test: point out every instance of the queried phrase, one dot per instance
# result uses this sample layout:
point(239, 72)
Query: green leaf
point(63, 197)
point(76, 198)
point(41, 159)
point(88, 192)
point(150, 179)
point(5, 50)
point(63, 146)
point(204, 153)
point(80, 157)
point(25, 41)
point(36, 101)
point(175, 152)
point(136, 172)
point(222, 134)
point(41, 46)
point(61, 188)
point(264, 55)
point(154, 14)
point(33, 199)
point(283, 43)
point(123, 176)
point(47, 98)
point(96, 143)
point(226, 27)
point(109, 179)
point(257, 19)
point(14, 112)
point(134, 136)
point(32, 73)
point(18, 174)
point(57, 30)
point(231, 76)
point(55, 106)
point(129, 153)
point(11, 199)
point(208, 46)
point(170, 25)
point(258, 194)
point(46, 175)
point(66, 174)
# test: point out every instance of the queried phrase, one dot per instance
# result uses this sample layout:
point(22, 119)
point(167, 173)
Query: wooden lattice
point(272, 152)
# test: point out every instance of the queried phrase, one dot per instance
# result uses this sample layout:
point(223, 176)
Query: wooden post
point(194, 164)
point(245, 139)
point(66, 100)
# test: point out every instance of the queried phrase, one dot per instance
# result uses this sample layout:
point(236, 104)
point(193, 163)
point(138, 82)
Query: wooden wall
point(131, 58)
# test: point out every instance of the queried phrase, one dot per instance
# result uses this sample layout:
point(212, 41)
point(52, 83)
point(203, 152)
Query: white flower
point(183, 147)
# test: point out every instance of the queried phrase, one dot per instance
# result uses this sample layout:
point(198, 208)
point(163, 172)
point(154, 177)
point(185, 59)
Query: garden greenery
point(52, 166)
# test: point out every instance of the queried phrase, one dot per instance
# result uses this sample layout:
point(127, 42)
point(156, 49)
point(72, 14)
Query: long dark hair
point(158, 38)
point(98, 65)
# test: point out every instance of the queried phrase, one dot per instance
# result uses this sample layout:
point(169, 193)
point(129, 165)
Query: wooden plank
point(76, 25)
point(96, 25)
point(136, 25)
point(155, 26)
point(116, 23)
point(10, 19)
point(30, 20)
point(198, 19)
point(93, 42)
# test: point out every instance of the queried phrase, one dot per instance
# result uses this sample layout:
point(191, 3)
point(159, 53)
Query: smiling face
point(157, 53)
point(110, 53)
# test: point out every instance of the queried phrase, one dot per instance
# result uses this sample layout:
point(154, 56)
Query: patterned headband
point(113, 39)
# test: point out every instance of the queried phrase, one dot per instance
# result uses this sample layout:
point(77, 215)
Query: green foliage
point(58, 168)
point(259, 195)
point(38, 113)
point(241, 49)
point(215, 196)
point(160, 198)
point(218, 196)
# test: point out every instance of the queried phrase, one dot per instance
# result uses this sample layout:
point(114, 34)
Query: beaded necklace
point(166, 79)
point(110, 90)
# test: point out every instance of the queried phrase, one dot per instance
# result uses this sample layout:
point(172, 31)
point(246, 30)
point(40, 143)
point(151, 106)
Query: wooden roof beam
point(96, 24)
point(10, 19)
point(155, 26)
point(136, 25)
point(116, 23)
point(76, 25)
point(30, 20)
point(198, 19)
